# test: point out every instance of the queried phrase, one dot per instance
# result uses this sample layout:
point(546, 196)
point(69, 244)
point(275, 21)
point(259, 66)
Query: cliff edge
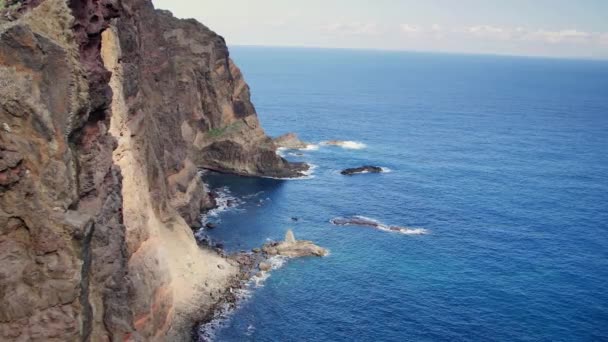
point(108, 110)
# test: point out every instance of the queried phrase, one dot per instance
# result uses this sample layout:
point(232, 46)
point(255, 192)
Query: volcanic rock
point(362, 169)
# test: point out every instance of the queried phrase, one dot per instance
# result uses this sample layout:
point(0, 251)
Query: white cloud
point(436, 28)
point(571, 36)
point(410, 29)
point(563, 36)
point(354, 28)
point(491, 32)
point(434, 31)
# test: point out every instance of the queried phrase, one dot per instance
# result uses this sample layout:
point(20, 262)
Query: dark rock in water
point(355, 221)
point(256, 250)
point(367, 222)
point(362, 169)
point(295, 219)
point(210, 225)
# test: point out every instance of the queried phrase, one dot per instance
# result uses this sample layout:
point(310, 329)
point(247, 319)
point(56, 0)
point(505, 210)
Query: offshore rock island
point(108, 110)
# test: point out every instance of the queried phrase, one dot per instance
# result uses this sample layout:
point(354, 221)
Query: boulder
point(264, 266)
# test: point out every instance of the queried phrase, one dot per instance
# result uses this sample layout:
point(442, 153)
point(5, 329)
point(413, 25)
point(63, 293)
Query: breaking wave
point(363, 221)
point(348, 144)
point(308, 174)
point(311, 147)
point(222, 316)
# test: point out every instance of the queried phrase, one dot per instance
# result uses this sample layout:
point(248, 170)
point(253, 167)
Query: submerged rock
point(362, 169)
point(293, 248)
point(290, 141)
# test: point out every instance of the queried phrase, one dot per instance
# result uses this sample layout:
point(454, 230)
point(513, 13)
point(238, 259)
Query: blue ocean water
point(504, 161)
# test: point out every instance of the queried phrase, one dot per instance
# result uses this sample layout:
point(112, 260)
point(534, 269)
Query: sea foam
point(347, 144)
point(207, 332)
point(359, 220)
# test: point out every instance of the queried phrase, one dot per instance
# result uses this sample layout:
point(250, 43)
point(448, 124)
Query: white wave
point(311, 147)
point(404, 231)
point(281, 152)
point(353, 145)
point(347, 144)
point(250, 330)
point(277, 262)
point(370, 222)
point(310, 171)
point(259, 279)
point(253, 195)
point(369, 219)
point(224, 201)
point(386, 169)
point(207, 332)
point(308, 174)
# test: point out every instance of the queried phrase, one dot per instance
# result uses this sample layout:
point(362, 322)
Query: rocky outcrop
point(293, 248)
point(368, 222)
point(362, 169)
point(290, 141)
point(181, 72)
point(108, 110)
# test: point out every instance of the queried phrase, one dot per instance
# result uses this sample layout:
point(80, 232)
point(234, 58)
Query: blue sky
point(555, 28)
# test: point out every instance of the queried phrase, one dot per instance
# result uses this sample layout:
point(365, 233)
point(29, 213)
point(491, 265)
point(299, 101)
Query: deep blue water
point(504, 160)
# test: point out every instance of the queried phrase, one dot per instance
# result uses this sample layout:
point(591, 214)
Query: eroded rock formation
point(293, 248)
point(290, 141)
point(108, 109)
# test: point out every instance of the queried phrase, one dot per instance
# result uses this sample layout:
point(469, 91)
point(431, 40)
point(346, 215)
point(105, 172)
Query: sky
point(552, 28)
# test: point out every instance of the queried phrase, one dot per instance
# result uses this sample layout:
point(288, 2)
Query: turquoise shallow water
point(503, 160)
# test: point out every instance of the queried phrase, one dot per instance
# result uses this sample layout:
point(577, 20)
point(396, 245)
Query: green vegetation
point(214, 132)
point(218, 132)
point(10, 6)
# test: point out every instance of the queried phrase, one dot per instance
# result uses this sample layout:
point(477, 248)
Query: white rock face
point(290, 237)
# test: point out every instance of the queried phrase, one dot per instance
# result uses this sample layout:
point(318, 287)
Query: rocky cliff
point(108, 110)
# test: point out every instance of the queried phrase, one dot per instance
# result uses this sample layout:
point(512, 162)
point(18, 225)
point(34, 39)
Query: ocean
point(503, 161)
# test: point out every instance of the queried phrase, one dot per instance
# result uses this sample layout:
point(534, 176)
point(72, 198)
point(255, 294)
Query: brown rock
point(293, 248)
point(108, 110)
point(264, 266)
point(290, 141)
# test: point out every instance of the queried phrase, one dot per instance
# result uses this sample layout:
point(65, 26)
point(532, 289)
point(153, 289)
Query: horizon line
point(489, 54)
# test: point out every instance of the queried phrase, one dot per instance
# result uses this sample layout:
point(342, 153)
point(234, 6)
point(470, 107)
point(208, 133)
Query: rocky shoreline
point(108, 111)
point(254, 265)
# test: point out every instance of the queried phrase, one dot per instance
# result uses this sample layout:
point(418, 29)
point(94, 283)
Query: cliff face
point(107, 111)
